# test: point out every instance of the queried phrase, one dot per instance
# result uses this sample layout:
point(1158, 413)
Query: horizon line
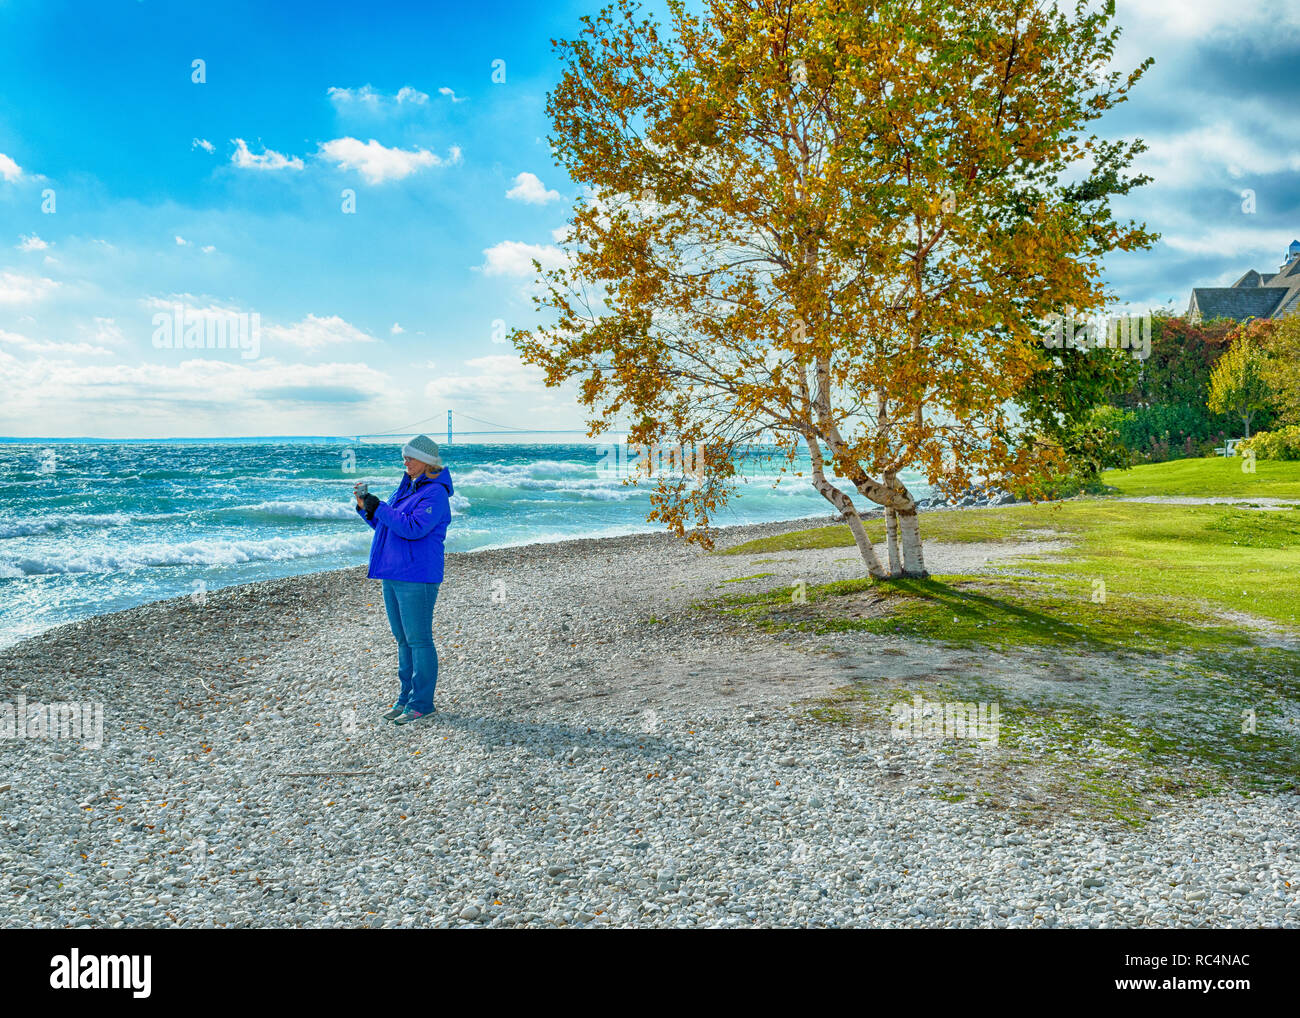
point(16, 439)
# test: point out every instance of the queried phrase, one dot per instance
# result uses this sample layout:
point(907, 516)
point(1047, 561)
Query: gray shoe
point(394, 712)
point(409, 716)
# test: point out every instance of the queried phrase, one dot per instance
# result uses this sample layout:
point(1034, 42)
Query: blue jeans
point(410, 616)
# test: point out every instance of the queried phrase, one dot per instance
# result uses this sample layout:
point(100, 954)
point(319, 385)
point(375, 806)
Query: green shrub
point(1097, 445)
point(1165, 431)
point(1281, 444)
point(1112, 418)
point(1091, 446)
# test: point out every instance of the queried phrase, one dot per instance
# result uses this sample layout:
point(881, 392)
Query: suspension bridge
point(497, 429)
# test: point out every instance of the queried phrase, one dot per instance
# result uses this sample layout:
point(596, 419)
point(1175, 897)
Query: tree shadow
point(974, 606)
point(534, 735)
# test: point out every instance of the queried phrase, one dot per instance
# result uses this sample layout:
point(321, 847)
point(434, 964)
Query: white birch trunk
point(845, 505)
point(891, 538)
point(909, 525)
point(865, 548)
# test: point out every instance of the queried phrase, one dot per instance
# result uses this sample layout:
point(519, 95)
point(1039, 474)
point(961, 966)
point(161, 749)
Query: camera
point(361, 489)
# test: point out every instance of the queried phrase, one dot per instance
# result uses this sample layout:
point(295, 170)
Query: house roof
point(1254, 295)
point(1238, 303)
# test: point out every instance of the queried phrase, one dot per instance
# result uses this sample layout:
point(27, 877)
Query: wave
point(26, 528)
point(539, 467)
point(323, 509)
point(211, 552)
point(510, 475)
point(313, 510)
point(43, 525)
point(583, 487)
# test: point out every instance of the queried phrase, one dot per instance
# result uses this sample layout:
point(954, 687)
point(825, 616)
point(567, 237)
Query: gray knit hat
point(424, 449)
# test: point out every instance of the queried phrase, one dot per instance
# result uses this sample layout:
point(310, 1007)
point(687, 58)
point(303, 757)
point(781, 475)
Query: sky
point(372, 181)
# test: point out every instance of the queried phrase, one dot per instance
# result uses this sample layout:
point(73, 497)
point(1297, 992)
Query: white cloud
point(268, 160)
point(201, 392)
point(450, 94)
point(314, 333)
point(198, 307)
point(1200, 19)
point(396, 330)
point(106, 330)
point(561, 233)
point(1215, 153)
point(37, 346)
point(377, 163)
point(31, 242)
point(375, 101)
point(1168, 29)
point(344, 96)
point(204, 144)
point(208, 249)
point(16, 289)
point(528, 188)
point(514, 258)
point(9, 169)
point(494, 376)
point(1233, 242)
point(181, 241)
point(411, 95)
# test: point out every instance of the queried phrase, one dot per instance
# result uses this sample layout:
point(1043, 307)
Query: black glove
point(371, 503)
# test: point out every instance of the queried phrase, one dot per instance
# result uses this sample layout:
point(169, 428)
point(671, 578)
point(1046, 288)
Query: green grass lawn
point(1196, 600)
point(1184, 563)
point(1219, 476)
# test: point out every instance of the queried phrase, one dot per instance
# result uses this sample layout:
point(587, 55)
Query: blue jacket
point(410, 529)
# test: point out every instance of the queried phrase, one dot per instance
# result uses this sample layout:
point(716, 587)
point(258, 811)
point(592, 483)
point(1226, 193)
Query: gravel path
point(602, 755)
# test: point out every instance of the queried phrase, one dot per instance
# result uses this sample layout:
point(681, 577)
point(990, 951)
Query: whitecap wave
point(510, 475)
point(26, 528)
point(316, 509)
point(72, 521)
point(209, 552)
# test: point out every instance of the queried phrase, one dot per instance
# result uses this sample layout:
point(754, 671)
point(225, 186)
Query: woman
point(407, 554)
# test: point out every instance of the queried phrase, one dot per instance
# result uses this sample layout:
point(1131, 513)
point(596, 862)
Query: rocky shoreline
point(603, 754)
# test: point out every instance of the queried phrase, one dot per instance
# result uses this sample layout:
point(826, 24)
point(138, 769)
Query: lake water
point(92, 527)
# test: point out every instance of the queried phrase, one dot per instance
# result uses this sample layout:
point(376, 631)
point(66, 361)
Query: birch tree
point(837, 224)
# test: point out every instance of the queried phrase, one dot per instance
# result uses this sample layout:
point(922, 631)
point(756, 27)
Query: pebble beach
point(603, 753)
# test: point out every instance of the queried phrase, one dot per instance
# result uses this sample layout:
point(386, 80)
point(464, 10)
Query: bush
point(1164, 422)
point(1112, 418)
point(1090, 447)
point(1209, 447)
point(1157, 433)
point(1098, 444)
point(1281, 444)
point(1178, 371)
